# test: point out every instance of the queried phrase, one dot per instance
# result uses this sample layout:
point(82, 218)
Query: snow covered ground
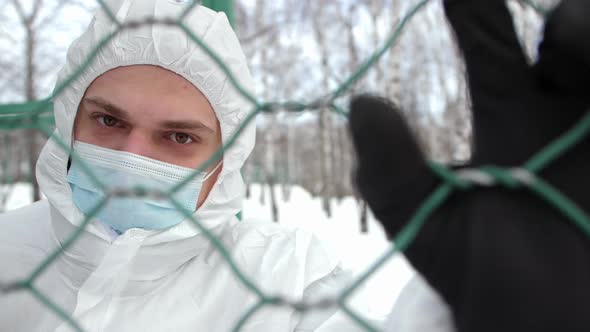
point(340, 233)
point(19, 195)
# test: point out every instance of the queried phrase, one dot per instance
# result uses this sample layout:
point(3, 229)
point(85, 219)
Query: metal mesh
point(38, 115)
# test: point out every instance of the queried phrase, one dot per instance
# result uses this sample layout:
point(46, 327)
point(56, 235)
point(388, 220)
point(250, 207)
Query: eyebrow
point(110, 108)
point(186, 125)
point(169, 124)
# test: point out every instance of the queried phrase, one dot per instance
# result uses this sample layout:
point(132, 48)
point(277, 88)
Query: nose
point(138, 143)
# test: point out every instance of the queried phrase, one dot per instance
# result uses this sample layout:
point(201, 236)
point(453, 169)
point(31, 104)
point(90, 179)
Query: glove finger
point(391, 175)
point(564, 54)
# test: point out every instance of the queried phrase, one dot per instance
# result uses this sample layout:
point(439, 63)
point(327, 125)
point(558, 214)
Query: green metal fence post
point(226, 6)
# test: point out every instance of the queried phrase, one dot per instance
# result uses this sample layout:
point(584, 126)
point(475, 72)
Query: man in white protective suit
point(148, 111)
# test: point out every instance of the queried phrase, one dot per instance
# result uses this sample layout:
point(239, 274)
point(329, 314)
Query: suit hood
point(169, 47)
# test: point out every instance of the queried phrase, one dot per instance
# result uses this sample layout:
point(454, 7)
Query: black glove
point(564, 54)
point(503, 259)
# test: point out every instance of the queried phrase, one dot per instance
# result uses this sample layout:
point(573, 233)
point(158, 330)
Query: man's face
point(153, 112)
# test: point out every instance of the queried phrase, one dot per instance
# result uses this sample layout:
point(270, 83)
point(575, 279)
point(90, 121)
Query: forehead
point(151, 92)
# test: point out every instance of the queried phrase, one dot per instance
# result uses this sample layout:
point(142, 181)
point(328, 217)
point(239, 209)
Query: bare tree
point(324, 124)
point(302, 50)
point(35, 64)
point(28, 21)
point(393, 84)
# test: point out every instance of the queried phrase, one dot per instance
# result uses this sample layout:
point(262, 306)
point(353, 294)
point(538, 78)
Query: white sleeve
point(328, 286)
point(420, 308)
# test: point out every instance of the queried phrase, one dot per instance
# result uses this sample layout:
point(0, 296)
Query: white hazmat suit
point(170, 280)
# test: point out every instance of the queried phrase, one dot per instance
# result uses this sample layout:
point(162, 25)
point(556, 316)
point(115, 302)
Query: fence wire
point(38, 115)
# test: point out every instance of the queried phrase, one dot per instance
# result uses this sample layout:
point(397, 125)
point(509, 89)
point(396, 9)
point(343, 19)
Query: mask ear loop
point(212, 171)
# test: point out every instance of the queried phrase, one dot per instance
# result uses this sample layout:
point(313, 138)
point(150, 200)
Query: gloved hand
point(564, 54)
point(503, 259)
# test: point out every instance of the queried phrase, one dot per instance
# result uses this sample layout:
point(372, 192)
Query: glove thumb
point(391, 174)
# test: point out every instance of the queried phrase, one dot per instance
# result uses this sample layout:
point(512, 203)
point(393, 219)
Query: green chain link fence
point(38, 115)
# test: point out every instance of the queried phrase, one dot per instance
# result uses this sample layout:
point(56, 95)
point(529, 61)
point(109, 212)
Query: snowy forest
point(298, 51)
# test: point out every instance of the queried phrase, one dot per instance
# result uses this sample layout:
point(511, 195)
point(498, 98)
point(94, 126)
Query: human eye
point(181, 138)
point(107, 120)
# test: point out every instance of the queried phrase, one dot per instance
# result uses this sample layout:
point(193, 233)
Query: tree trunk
point(31, 95)
point(273, 200)
point(364, 217)
point(324, 120)
point(393, 87)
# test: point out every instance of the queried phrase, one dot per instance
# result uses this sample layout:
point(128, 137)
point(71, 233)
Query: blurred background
point(299, 50)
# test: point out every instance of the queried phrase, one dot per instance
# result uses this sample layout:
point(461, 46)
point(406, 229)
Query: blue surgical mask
point(119, 170)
